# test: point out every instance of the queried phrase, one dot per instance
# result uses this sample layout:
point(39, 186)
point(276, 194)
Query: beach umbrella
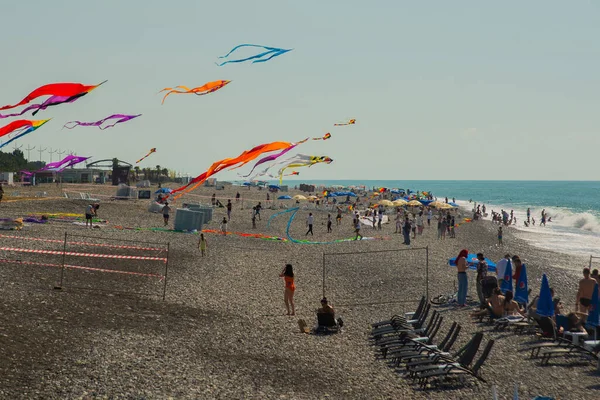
point(284, 197)
point(414, 203)
point(445, 206)
point(545, 306)
point(299, 197)
point(521, 291)
point(436, 204)
point(399, 202)
point(163, 190)
point(593, 319)
point(386, 203)
point(507, 283)
point(472, 262)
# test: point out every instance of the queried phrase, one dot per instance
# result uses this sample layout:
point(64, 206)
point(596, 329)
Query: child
point(165, 213)
point(500, 235)
point(329, 223)
point(224, 226)
point(202, 244)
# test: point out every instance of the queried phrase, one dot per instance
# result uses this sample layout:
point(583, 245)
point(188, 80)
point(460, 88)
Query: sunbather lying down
point(494, 307)
point(326, 321)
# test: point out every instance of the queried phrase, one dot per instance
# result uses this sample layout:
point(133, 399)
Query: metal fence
point(376, 277)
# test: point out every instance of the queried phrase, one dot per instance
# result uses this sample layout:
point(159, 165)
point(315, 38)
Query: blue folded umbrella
point(522, 290)
point(507, 283)
point(285, 197)
point(163, 190)
point(472, 261)
point(545, 306)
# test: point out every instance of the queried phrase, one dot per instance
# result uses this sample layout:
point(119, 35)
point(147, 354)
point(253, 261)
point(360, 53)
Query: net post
point(427, 272)
point(324, 275)
point(62, 270)
point(166, 271)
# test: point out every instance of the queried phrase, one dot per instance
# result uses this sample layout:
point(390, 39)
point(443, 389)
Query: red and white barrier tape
point(76, 254)
point(114, 271)
point(114, 246)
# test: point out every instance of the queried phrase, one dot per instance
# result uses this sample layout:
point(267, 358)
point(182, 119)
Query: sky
point(440, 90)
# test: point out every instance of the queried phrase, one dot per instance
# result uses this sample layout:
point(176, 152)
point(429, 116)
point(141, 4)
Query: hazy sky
point(440, 90)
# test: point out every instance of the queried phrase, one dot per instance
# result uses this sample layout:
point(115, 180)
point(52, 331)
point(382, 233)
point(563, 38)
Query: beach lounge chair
point(571, 350)
point(411, 339)
point(393, 332)
point(426, 353)
point(415, 348)
point(398, 325)
point(407, 316)
point(463, 357)
point(456, 369)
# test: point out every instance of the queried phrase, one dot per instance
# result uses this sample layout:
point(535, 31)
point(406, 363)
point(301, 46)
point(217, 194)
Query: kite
point(272, 158)
point(302, 160)
point(67, 91)
point(350, 122)
point(200, 90)
point(120, 118)
point(152, 150)
point(60, 166)
point(20, 128)
point(258, 58)
point(325, 137)
point(51, 101)
point(242, 159)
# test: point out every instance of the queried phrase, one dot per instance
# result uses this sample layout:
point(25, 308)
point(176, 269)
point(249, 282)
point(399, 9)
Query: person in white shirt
point(429, 216)
point(420, 223)
point(309, 222)
point(501, 269)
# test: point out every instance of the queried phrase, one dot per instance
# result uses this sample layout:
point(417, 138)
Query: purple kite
point(51, 101)
point(119, 119)
point(60, 166)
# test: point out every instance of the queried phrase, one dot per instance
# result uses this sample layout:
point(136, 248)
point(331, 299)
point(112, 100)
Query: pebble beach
point(222, 331)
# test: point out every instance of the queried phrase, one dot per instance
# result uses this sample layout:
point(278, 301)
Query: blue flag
point(521, 291)
point(507, 283)
point(545, 306)
point(593, 319)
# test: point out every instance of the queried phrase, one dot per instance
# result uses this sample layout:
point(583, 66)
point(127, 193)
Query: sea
point(574, 206)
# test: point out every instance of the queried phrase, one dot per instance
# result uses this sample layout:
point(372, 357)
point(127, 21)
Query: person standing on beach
point(518, 265)
point(413, 227)
point(584, 293)
point(290, 287)
point(500, 235)
point(528, 214)
point(439, 228)
point(202, 244)
point(213, 199)
point(338, 218)
point(452, 231)
point(379, 219)
point(254, 217)
point(463, 281)
point(165, 212)
point(229, 207)
point(89, 212)
point(398, 221)
point(482, 269)
point(406, 231)
point(357, 228)
point(237, 197)
point(501, 268)
point(309, 223)
point(224, 226)
point(429, 215)
point(258, 208)
point(329, 230)
point(444, 227)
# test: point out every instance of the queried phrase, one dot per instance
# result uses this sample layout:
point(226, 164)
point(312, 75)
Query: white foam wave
point(568, 232)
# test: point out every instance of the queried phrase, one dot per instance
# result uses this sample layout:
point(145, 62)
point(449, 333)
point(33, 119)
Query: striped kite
point(200, 90)
point(272, 157)
point(325, 137)
point(350, 122)
point(302, 160)
point(120, 118)
point(152, 150)
point(61, 92)
point(258, 58)
point(220, 165)
point(20, 128)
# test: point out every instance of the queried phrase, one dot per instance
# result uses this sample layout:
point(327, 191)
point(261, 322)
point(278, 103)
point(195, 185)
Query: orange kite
point(242, 159)
point(200, 90)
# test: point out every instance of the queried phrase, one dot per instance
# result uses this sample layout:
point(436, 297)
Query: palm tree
point(137, 172)
point(158, 173)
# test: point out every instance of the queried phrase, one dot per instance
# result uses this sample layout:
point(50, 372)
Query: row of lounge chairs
point(408, 344)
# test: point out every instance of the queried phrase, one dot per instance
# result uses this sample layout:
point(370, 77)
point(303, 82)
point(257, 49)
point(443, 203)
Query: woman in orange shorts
point(288, 295)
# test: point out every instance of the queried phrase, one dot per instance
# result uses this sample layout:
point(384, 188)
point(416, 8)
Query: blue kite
point(270, 53)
